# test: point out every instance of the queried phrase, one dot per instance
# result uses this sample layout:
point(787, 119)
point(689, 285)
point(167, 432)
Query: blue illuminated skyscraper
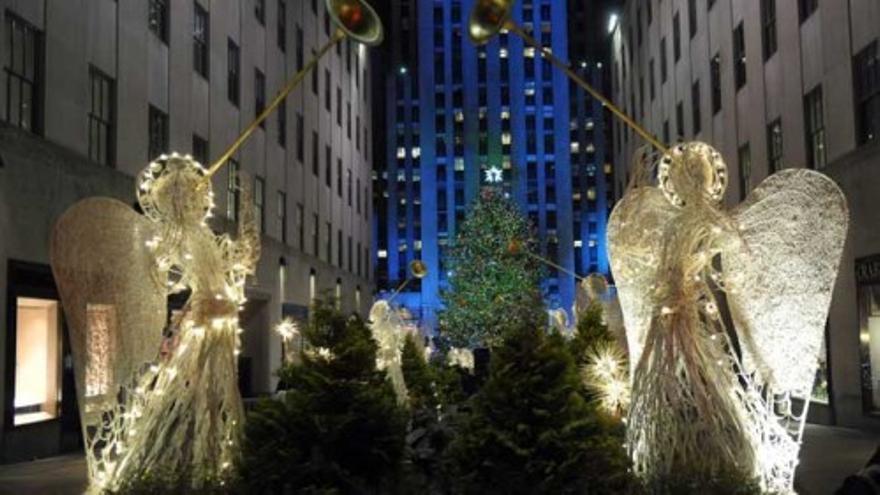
point(457, 117)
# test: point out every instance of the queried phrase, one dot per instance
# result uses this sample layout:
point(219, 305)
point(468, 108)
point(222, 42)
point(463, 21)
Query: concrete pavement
point(828, 455)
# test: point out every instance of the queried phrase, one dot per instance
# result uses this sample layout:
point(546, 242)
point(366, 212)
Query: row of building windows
point(866, 70)
point(24, 109)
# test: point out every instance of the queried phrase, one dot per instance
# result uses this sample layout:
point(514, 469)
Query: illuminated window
point(416, 152)
point(313, 285)
point(382, 254)
point(401, 152)
point(591, 194)
point(505, 138)
point(529, 52)
point(575, 146)
point(459, 164)
point(37, 360)
point(578, 243)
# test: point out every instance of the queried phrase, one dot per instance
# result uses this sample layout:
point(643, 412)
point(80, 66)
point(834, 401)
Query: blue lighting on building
point(454, 112)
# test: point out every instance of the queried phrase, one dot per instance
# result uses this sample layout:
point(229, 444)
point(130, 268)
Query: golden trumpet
point(418, 269)
point(354, 19)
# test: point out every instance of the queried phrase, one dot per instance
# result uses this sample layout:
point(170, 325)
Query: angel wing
point(779, 278)
point(387, 329)
point(113, 306)
point(635, 233)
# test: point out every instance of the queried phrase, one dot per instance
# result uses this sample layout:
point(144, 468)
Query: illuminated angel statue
point(708, 398)
point(387, 329)
point(167, 409)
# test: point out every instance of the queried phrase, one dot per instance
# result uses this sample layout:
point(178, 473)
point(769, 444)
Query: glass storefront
point(868, 294)
point(37, 360)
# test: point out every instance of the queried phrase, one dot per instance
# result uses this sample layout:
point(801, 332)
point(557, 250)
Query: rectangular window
point(339, 177)
point(158, 129)
point(768, 27)
point(679, 120)
point(260, 202)
point(282, 124)
point(715, 70)
point(200, 40)
point(350, 257)
point(866, 66)
point(37, 360)
point(102, 118)
point(814, 120)
point(24, 77)
point(695, 108)
point(676, 37)
point(692, 17)
point(739, 56)
point(663, 68)
point(338, 106)
point(233, 192)
point(348, 120)
point(329, 243)
point(282, 25)
point(259, 94)
point(348, 184)
point(339, 249)
point(300, 49)
point(328, 166)
point(316, 225)
point(300, 138)
point(328, 99)
point(233, 72)
point(282, 215)
point(315, 159)
point(200, 149)
point(157, 19)
point(744, 156)
point(774, 146)
point(652, 75)
point(301, 226)
point(806, 8)
point(260, 11)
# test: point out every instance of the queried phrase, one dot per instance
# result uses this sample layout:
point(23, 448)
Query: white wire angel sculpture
point(388, 332)
point(709, 398)
point(174, 415)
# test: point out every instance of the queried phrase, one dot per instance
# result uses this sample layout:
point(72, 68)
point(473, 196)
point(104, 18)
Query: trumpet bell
point(418, 269)
point(357, 20)
point(488, 17)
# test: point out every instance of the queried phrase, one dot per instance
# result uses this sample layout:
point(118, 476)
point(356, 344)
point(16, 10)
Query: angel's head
point(175, 189)
point(692, 172)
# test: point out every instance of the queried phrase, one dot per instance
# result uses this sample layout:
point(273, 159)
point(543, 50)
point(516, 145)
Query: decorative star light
point(494, 175)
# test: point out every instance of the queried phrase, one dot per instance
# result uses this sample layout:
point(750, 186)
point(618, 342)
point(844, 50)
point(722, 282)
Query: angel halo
point(713, 394)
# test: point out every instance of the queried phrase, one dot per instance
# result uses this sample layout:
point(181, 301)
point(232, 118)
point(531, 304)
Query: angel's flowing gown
point(687, 414)
point(186, 421)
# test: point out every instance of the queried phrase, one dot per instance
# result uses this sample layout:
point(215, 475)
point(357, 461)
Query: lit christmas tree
point(494, 280)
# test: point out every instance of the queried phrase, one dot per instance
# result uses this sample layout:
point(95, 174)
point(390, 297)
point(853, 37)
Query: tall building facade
point(774, 84)
point(460, 117)
point(95, 90)
point(592, 163)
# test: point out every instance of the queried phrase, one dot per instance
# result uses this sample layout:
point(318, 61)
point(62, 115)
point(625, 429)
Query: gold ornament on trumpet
point(152, 406)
